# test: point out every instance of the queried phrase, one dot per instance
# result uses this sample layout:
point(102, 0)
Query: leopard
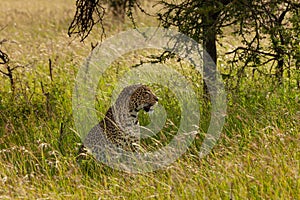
point(120, 126)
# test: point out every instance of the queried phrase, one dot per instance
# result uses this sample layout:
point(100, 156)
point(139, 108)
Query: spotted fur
point(120, 126)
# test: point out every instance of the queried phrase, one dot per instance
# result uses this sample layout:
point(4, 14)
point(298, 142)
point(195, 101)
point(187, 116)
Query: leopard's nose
point(155, 98)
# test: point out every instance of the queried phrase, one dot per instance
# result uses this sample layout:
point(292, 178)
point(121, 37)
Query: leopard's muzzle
point(149, 106)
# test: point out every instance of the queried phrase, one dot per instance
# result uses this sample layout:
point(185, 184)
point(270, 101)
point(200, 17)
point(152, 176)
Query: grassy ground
point(257, 156)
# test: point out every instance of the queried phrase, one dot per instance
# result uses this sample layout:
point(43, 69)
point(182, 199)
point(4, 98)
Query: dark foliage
point(269, 30)
point(88, 14)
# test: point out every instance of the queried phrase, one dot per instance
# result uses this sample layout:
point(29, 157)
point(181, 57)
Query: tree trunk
point(210, 53)
point(279, 71)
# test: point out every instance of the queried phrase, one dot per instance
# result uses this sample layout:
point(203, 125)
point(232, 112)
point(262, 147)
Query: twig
point(50, 69)
point(253, 50)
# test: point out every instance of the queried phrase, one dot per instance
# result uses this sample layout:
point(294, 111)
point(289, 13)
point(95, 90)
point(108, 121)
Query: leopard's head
point(142, 98)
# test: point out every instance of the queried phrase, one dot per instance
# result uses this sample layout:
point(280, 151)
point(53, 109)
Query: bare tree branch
point(88, 14)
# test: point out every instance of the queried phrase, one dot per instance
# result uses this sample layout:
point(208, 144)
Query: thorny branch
point(91, 12)
point(88, 13)
point(3, 58)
